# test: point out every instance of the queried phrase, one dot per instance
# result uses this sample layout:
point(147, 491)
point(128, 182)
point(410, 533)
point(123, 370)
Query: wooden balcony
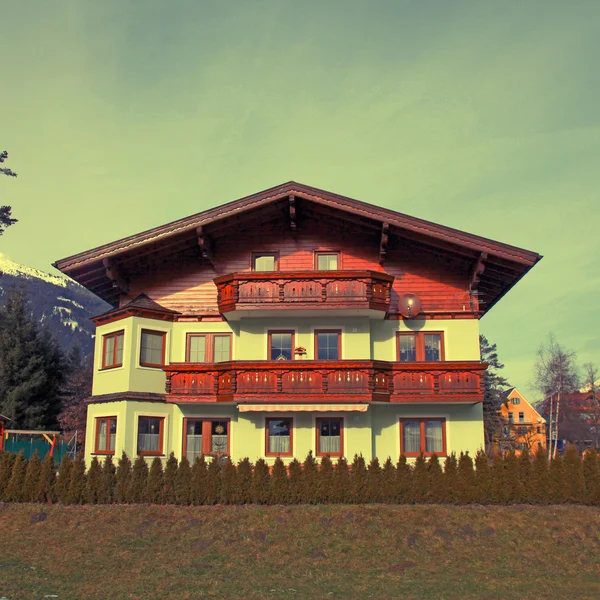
point(303, 381)
point(305, 290)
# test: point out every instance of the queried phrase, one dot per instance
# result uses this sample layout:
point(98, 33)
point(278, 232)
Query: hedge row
point(506, 480)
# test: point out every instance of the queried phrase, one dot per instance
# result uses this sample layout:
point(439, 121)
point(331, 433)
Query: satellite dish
point(409, 306)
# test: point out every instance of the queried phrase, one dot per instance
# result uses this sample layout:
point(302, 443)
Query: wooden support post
point(385, 234)
point(205, 244)
point(292, 204)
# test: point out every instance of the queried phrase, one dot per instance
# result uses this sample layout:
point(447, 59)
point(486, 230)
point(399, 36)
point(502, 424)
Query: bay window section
point(281, 345)
point(427, 436)
point(152, 348)
point(106, 434)
point(279, 437)
point(150, 435)
point(330, 436)
point(112, 350)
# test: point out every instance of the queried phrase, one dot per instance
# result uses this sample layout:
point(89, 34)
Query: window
point(539, 429)
point(515, 400)
point(421, 346)
point(152, 352)
point(205, 436)
point(330, 437)
point(106, 433)
point(208, 347)
point(279, 437)
point(150, 435)
point(267, 261)
point(328, 344)
point(327, 261)
point(522, 430)
point(112, 350)
point(281, 345)
point(423, 435)
point(511, 417)
point(521, 417)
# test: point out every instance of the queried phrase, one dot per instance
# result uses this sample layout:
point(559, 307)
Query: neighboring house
point(523, 427)
point(290, 321)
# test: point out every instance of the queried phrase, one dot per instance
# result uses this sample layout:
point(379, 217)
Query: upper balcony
point(302, 381)
point(337, 292)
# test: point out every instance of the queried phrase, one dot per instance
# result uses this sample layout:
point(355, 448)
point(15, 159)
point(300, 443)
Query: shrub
point(574, 480)
point(388, 482)
point(77, 482)
point(108, 481)
point(451, 479)
point(435, 480)
point(341, 481)
point(295, 482)
point(540, 485)
point(260, 482)
point(229, 484)
point(359, 485)
point(499, 481)
point(324, 489)
point(466, 479)
point(591, 472)
point(123, 479)
point(155, 486)
point(170, 474)
point(557, 486)
point(198, 487)
point(374, 491)
point(139, 481)
point(93, 488)
point(47, 481)
point(513, 491)
point(64, 479)
point(213, 481)
point(525, 471)
point(310, 478)
point(183, 482)
point(404, 481)
point(244, 479)
point(6, 466)
point(14, 488)
point(279, 486)
point(32, 478)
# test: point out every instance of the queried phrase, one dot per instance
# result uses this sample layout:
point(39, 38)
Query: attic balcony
point(339, 293)
point(306, 381)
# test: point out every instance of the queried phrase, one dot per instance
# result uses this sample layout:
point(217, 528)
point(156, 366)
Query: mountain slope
point(57, 303)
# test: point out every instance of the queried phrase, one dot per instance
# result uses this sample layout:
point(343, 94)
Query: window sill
point(111, 368)
point(101, 453)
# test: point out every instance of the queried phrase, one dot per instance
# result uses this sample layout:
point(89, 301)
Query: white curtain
point(113, 437)
point(102, 435)
point(279, 443)
point(330, 444)
point(148, 442)
point(193, 447)
point(412, 436)
point(433, 437)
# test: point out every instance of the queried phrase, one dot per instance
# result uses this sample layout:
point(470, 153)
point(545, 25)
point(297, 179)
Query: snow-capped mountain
point(57, 303)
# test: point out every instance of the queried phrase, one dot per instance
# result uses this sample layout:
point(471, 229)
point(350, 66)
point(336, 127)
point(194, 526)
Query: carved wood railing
point(304, 289)
point(378, 380)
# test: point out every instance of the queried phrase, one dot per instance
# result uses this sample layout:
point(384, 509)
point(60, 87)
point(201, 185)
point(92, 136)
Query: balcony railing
point(316, 381)
point(305, 289)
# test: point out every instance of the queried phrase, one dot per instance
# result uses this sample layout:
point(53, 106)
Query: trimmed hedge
point(508, 480)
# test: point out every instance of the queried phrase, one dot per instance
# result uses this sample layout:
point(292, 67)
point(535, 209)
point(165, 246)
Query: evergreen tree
point(574, 480)
point(123, 480)
point(155, 487)
point(325, 480)
point(483, 478)
point(260, 482)
point(63, 480)
point(169, 479)
point(557, 483)
point(108, 482)
point(6, 219)
point(31, 367)
point(451, 479)
point(93, 490)
point(199, 474)
point(466, 479)
point(32, 478)
point(526, 483)
point(591, 472)
point(341, 481)
point(435, 481)
point(388, 482)
point(359, 486)
point(6, 466)
point(295, 481)
point(47, 481)
point(213, 481)
point(540, 489)
point(244, 479)
point(374, 489)
point(139, 481)
point(499, 481)
point(280, 490)
point(183, 482)
point(77, 482)
point(14, 488)
point(310, 474)
point(418, 493)
point(404, 481)
point(229, 484)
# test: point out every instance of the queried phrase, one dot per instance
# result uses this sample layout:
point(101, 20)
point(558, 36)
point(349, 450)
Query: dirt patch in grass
point(152, 552)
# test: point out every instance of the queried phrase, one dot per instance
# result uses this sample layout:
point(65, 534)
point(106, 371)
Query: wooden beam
point(205, 244)
point(292, 203)
point(385, 235)
point(115, 276)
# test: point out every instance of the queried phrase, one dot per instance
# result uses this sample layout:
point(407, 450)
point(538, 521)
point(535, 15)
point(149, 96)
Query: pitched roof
point(141, 303)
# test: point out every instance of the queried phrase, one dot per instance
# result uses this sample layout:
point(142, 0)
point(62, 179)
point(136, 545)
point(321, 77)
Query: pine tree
point(310, 474)
point(77, 482)
point(418, 493)
point(63, 480)
point(325, 480)
point(139, 481)
point(6, 466)
point(526, 493)
point(404, 481)
point(388, 482)
point(155, 486)
point(435, 481)
point(32, 478)
point(574, 480)
point(244, 479)
point(14, 488)
point(591, 472)
point(108, 482)
point(451, 479)
point(183, 482)
point(483, 478)
point(540, 489)
point(47, 481)
point(359, 486)
point(213, 481)
point(169, 479)
point(229, 484)
point(557, 480)
point(466, 479)
point(93, 490)
point(341, 482)
point(123, 480)
point(374, 481)
point(280, 489)
point(260, 482)
point(199, 474)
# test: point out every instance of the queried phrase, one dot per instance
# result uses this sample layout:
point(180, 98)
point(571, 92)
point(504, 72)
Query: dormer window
point(327, 261)
point(265, 261)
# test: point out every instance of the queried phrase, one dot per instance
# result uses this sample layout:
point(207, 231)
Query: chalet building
point(290, 321)
point(523, 426)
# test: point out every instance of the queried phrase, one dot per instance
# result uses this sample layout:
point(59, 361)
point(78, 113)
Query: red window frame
point(113, 364)
point(422, 420)
point(97, 449)
point(269, 339)
point(318, 444)
point(267, 449)
point(339, 332)
point(161, 438)
point(210, 345)
point(206, 434)
point(256, 255)
point(163, 335)
point(328, 252)
point(420, 344)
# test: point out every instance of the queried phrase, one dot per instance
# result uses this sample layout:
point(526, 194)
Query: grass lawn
point(148, 552)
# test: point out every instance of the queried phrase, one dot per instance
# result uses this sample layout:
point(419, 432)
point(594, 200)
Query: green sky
point(120, 115)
